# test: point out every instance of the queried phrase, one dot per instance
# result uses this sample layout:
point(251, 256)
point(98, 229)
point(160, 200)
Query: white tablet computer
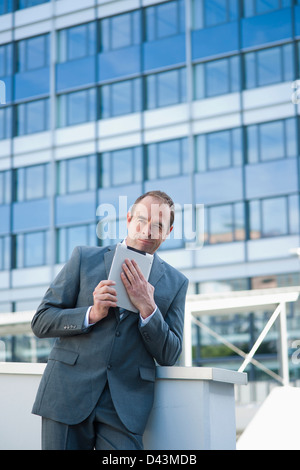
point(143, 260)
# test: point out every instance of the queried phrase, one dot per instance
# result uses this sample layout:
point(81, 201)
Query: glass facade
point(189, 96)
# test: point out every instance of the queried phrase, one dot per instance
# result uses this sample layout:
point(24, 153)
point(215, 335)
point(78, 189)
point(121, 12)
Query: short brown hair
point(164, 198)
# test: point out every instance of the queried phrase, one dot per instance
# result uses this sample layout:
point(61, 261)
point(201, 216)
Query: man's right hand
point(105, 296)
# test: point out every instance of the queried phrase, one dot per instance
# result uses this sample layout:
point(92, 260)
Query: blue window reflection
point(6, 6)
point(225, 223)
point(75, 208)
point(120, 31)
point(258, 7)
point(76, 42)
point(4, 253)
point(262, 222)
point(166, 19)
point(6, 60)
point(31, 249)
point(166, 88)
point(76, 108)
point(5, 187)
point(5, 123)
point(70, 237)
point(33, 53)
point(77, 174)
point(217, 77)
point(120, 51)
point(272, 140)
point(269, 66)
point(32, 182)
point(29, 3)
point(32, 117)
point(207, 13)
point(121, 167)
point(121, 98)
point(167, 159)
point(267, 28)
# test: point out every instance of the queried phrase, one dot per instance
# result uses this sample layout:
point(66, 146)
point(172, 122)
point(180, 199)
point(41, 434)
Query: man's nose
point(147, 229)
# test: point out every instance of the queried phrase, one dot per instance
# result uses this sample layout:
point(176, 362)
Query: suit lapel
point(157, 270)
point(108, 257)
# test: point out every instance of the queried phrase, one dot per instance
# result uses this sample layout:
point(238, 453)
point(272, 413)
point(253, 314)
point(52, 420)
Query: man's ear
point(170, 230)
point(129, 217)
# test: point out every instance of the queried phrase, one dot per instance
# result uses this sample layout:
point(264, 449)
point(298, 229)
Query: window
point(120, 98)
point(76, 42)
point(6, 6)
point(76, 175)
point(167, 159)
point(208, 13)
point(166, 88)
point(29, 3)
point(121, 167)
point(32, 117)
point(217, 78)
point(70, 237)
point(31, 249)
point(217, 150)
point(272, 140)
point(4, 253)
point(269, 66)
point(5, 187)
point(258, 7)
point(5, 122)
point(76, 108)
point(33, 53)
point(6, 60)
point(120, 31)
point(262, 222)
point(167, 19)
point(225, 223)
point(31, 182)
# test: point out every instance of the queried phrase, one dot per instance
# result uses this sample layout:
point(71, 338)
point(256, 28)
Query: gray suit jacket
point(122, 352)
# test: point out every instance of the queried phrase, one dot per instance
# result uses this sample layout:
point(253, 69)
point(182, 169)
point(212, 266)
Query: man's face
point(148, 224)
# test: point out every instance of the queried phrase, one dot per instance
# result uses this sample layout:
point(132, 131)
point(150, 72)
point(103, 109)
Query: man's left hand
point(140, 292)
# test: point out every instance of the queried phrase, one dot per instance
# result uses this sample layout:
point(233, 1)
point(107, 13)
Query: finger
point(125, 280)
point(139, 272)
point(105, 299)
point(103, 289)
point(128, 269)
point(105, 282)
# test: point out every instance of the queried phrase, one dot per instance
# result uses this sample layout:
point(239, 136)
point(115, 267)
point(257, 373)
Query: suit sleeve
point(163, 336)
point(57, 315)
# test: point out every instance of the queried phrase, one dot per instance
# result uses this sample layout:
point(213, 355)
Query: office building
point(106, 99)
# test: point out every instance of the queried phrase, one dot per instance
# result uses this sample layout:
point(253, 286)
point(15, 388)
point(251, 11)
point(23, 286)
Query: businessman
point(98, 385)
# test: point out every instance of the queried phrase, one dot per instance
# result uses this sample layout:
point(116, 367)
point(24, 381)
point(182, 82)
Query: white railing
point(243, 303)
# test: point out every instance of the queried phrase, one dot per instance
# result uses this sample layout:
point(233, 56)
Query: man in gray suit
point(97, 388)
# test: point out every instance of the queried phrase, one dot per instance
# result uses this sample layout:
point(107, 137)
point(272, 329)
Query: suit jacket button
point(109, 366)
point(118, 333)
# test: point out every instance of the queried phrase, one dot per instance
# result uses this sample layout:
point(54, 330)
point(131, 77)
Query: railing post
point(284, 355)
point(186, 356)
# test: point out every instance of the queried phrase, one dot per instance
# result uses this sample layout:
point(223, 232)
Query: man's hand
point(105, 296)
point(140, 292)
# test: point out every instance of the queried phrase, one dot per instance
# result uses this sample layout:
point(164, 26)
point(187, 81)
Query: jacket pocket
point(64, 355)
point(147, 374)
